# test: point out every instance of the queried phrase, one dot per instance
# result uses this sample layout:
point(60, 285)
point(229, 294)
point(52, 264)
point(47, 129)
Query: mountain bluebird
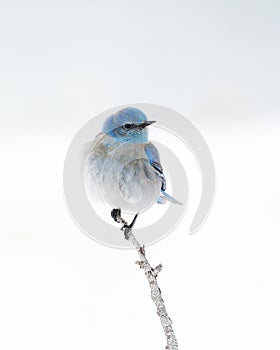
point(123, 167)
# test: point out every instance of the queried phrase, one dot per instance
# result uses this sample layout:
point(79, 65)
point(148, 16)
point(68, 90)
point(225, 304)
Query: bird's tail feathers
point(166, 197)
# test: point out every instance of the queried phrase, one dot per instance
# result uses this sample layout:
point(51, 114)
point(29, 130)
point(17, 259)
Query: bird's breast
point(123, 173)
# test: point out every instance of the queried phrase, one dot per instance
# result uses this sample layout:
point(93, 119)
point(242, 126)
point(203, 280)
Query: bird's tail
point(166, 197)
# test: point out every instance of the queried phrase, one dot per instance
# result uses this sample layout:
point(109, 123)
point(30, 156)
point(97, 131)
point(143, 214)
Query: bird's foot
point(132, 222)
point(116, 215)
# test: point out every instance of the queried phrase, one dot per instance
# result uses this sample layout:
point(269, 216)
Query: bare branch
point(151, 274)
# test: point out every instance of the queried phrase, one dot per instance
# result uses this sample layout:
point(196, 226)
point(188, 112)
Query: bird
point(122, 166)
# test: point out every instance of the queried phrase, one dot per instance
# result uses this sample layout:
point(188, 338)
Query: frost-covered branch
point(151, 274)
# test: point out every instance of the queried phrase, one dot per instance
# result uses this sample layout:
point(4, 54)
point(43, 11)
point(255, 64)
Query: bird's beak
point(146, 123)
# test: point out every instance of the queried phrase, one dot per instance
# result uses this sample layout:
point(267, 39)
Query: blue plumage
point(123, 166)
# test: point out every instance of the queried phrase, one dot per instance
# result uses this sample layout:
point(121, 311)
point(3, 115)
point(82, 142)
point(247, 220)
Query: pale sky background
point(62, 63)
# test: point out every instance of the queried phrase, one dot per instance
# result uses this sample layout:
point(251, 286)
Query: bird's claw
point(116, 215)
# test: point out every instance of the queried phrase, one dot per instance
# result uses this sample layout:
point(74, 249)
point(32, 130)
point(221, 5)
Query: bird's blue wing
point(153, 156)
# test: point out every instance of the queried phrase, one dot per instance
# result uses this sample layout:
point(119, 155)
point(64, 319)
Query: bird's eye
point(127, 126)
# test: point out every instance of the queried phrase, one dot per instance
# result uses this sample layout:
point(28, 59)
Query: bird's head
point(127, 125)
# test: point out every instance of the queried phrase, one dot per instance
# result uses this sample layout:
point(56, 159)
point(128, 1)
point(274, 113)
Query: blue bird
point(123, 167)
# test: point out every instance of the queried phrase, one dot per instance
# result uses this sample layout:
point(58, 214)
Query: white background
point(63, 62)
